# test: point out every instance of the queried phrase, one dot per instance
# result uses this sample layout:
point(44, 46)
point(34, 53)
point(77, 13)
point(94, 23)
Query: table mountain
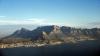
point(56, 32)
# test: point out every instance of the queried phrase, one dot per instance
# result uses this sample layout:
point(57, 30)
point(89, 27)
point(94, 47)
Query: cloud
point(23, 22)
point(32, 21)
point(93, 25)
point(36, 20)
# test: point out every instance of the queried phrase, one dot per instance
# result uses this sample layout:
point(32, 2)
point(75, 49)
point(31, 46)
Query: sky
point(15, 14)
point(75, 13)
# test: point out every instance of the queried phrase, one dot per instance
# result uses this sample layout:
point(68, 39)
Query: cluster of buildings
point(21, 45)
point(27, 44)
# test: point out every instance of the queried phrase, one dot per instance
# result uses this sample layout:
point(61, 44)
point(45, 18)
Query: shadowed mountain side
point(54, 31)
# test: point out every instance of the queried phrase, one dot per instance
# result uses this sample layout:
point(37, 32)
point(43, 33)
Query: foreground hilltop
point(54, 32)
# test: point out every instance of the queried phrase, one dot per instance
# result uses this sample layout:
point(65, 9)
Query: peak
point(55, 26)
point(24, 29)
point(65, 26)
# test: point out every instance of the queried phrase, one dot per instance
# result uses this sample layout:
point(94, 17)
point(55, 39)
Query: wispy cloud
point(32, 21)
point(95, 23)
point(24, 21)
point(92, 25)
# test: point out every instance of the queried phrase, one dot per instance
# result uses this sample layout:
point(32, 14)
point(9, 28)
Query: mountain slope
point(54, 31)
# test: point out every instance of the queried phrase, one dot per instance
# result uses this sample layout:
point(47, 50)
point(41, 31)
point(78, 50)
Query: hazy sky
point(43, 12)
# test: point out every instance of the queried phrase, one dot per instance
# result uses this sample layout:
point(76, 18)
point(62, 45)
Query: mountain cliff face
point(53, 31)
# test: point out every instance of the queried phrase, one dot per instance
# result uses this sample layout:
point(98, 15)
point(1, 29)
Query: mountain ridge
point(54, 31)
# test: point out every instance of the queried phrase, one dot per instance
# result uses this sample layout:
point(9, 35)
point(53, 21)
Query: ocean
point(86, 48)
